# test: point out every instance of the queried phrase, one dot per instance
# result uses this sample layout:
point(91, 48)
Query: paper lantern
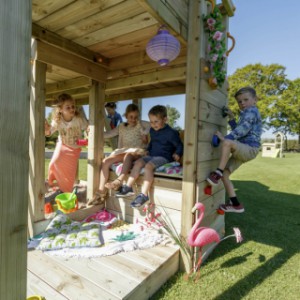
point(163, 47)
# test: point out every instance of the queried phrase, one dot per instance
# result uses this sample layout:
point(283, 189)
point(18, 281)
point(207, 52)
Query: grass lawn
point(267, 264)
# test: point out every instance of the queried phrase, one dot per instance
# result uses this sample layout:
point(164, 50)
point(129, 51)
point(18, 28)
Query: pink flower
point(214, 58)
point(218, 36)
point(211, 21)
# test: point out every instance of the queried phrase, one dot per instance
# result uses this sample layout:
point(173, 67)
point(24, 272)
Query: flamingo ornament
point(201, 236)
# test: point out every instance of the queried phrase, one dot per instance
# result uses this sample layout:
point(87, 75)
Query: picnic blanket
point(94, 237)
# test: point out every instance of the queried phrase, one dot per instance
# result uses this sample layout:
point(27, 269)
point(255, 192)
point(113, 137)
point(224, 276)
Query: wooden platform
point(131, 275)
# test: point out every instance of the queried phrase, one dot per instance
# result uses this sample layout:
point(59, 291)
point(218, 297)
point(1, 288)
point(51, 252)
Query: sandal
point(99, 198)
point(114, 185)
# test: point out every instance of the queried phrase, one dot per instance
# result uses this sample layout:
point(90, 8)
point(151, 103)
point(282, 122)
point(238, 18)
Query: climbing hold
point(215, 140)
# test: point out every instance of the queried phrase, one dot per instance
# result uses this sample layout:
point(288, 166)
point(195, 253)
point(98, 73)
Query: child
point(133, 139)
point(113, 115)
point(70, 124)
point(239, 146)
point(165, 146)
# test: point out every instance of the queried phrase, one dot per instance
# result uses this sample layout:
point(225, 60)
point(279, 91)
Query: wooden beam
point(66, 85)
point(15, 30)
point(161, 76)
point(52, 55)
point(54, 39)
point(174, 90)
point(195, 42)
point(37, 138)
point(162, 13)
point(76, 93)
point(95, 147)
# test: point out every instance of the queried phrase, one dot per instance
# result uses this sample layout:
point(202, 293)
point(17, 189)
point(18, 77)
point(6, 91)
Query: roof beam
point(63, 86)
point(161, 76)
point(58, 57)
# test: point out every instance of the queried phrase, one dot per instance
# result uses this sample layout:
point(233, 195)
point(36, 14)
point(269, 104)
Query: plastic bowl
point(65, 201)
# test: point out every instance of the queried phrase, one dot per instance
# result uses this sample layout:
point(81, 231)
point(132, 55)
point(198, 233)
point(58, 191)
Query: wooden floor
point(131, 275)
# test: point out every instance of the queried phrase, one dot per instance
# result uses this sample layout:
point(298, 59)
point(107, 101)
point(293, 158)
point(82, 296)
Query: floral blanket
point(93, 237)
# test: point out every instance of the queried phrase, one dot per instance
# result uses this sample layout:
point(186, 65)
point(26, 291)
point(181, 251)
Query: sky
point(266, 32)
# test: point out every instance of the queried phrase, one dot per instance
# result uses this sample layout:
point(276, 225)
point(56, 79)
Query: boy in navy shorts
point(165, 146)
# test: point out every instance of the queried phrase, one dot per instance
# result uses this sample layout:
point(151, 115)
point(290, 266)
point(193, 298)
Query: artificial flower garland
point(216, 47)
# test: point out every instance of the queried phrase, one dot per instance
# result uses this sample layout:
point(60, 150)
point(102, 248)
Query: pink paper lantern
point(163, 47)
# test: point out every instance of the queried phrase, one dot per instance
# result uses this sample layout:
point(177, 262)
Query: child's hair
point(158, 110)
point(247, 89)
point(130, 108)
point(56, 115)
point(111, 105)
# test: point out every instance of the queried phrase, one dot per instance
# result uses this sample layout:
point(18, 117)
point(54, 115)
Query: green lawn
point(267, 264)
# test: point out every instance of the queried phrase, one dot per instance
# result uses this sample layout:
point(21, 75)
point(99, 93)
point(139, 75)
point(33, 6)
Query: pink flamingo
point(201, 236)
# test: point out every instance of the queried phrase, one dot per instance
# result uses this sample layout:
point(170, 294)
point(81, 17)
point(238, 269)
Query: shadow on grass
point(271, 218)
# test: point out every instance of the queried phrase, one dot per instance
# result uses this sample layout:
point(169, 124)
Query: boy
point(165, 146)
point(239, 146)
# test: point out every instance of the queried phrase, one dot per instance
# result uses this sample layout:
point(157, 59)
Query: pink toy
point(82, 142)
point(201, 236)
point(100, 216)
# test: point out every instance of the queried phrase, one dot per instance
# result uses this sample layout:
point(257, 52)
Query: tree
point(285, 113)
point(173, 116)
point(269, 81)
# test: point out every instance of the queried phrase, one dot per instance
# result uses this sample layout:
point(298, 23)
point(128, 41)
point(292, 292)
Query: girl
point(133, 139)
point(69, 124)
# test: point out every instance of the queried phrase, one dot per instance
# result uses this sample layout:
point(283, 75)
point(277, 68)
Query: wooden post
point(37, 139)
point(15, 32)
point(195, 38)
point(95, 148)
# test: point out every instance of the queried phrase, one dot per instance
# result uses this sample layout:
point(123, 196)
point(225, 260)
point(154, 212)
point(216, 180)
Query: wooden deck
point(131, 275)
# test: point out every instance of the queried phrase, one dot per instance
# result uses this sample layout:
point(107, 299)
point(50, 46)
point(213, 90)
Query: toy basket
point(66, 203)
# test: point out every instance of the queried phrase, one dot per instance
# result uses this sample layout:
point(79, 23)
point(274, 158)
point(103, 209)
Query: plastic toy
point(82, 142)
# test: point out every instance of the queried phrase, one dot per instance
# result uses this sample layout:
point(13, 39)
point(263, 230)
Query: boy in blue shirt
point(239, 146)
point(165, 146)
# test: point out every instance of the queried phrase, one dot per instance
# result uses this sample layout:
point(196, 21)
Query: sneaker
point(231, 208)
point(139, 200)
point(214, 177)
point(125, 191)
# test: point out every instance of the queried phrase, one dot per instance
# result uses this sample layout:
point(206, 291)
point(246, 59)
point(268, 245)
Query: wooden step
point(127, 275)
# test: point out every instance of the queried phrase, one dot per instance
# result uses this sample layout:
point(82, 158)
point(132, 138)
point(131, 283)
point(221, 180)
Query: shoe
point(125, 191)
point(231, 208)
point(214, 177)
point(139, 200)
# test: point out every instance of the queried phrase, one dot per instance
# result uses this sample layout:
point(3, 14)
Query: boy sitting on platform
point(165, 146)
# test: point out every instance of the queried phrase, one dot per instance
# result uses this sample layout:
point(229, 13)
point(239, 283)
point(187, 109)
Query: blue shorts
point(156, 161)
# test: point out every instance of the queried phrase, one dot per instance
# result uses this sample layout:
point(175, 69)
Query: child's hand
point(145, 139)
point(219, 135)
point(230, 114)
point(176, 157)
point(47, 128)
